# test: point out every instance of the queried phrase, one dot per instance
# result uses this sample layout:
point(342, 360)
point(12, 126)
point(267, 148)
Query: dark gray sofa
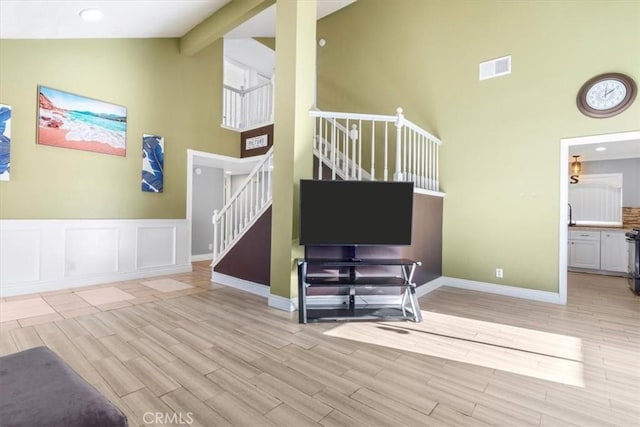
point(37, 388)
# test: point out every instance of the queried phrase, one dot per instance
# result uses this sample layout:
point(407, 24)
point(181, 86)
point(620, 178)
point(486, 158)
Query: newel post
point(244, 114)
point(215, 232)
point(353, 135)
point(398, 175)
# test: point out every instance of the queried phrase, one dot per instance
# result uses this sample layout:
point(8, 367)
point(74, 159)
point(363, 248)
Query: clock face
point(606, 94)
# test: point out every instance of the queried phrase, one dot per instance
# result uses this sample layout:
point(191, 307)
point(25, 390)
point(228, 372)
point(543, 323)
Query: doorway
point(211, 179)
point(565, 146)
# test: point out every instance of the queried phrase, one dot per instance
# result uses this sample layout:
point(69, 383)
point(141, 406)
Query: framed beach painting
point(73, 121)
point(152, 163)
point(5, 141)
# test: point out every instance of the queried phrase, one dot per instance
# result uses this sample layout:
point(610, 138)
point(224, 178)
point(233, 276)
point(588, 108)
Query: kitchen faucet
point(571, 222)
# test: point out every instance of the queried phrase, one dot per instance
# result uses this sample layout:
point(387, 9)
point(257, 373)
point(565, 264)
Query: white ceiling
point(54, 19)
point(250, 53)
point(614, 150)
point(59, 19)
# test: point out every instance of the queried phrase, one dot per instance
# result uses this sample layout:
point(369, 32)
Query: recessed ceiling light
point(91, 14)
point(601, 149)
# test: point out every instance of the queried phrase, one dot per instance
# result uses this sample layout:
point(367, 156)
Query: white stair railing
point(243, 209)
point(244, 109)
point(340, 138)
point(332, 145)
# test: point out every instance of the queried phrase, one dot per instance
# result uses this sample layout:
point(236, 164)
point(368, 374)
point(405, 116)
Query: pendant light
point(576, 166)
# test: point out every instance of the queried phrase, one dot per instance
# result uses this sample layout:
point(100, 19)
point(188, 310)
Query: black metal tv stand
point(408, 309)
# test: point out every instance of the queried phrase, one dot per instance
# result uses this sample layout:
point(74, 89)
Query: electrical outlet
point(210, 246)
point(499, 273)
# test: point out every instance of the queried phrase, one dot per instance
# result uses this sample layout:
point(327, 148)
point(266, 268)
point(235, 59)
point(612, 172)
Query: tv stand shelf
point(358, 281)
point(408, 309)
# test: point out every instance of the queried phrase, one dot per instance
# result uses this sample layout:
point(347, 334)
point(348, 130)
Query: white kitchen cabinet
point(614, 251)
point(584, 254)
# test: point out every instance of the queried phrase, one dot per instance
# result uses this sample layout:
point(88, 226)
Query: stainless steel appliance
point(633, 237)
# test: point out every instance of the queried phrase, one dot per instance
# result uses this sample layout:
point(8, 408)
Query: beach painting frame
point(5, 142)
point(152, 163)
point(73, 121)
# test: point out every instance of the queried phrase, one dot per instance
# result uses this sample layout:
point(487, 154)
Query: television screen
point(355, 212)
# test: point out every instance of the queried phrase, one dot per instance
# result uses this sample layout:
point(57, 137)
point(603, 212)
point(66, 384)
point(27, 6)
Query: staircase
point(332, 151)
point(243, 209)
point(348, 146)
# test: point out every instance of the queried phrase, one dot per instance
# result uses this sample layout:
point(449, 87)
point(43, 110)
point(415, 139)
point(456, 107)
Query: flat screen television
point(351, 213)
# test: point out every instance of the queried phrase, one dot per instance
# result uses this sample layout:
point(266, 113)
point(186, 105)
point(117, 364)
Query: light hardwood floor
point(222, 357)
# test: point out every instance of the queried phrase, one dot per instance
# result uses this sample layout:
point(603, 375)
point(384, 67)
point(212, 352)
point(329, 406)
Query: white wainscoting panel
point(91, 251)
point(47, 255)
point(20, 255)
point(156, 246)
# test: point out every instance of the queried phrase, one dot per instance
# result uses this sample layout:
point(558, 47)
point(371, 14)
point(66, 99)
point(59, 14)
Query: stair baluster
point(340, 139)
point(243, 209)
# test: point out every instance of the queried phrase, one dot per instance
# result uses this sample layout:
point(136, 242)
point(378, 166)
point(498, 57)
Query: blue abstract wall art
point(152, 163)
point(5, 141)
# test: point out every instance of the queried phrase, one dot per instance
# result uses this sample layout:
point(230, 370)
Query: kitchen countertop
point(599, 228)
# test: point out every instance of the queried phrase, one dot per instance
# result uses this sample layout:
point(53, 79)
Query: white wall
point(208, 191)
point(234, 75)
point(630, 170)
point(236, 181)
point(46, 255)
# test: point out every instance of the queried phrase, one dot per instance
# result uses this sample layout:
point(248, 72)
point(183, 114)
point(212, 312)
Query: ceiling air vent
point(495, 68)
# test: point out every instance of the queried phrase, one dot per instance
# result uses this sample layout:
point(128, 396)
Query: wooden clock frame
point(627, 81)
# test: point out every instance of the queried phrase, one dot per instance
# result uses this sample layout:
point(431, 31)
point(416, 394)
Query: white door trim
point(190, 155)
point(565, 143)
point(231, 165)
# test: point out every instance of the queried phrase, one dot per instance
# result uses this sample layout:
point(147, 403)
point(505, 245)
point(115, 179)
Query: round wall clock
point(606, 95)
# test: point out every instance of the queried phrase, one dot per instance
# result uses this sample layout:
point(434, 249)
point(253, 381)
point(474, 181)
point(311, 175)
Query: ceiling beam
point(217, 25)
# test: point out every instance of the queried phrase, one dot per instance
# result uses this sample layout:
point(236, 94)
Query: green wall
point(165, 93)
point(269, 42)
point(501, 155)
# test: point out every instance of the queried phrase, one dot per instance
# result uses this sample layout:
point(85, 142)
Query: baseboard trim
point(510, 291)
point(202, 257)
point(275, 301)
point(241, 284)
point(430, 286)
point(600, 272)
point(291, 304)
point(283, 303)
